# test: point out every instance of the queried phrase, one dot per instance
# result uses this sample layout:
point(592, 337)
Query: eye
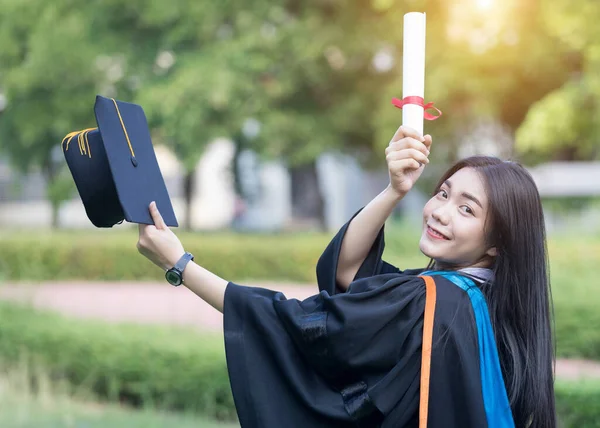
point(467, 209)
point(443, 193)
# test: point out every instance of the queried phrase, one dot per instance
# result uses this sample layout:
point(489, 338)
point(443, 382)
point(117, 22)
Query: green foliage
point(577, 27)
point(555, 129)
point(31, 399)
point(306, 72)
point(48, 76)
point(563, 124)
point(62, 188)
point(483, 66)
point(112, 255)
point(576, 296)
point(303, 71)
point(578, 404)
point(157, 367)
point(570, 205)
point(173, 105)
point(310, 73)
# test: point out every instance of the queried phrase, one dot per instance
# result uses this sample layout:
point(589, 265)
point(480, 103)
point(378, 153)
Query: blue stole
point(495, 398)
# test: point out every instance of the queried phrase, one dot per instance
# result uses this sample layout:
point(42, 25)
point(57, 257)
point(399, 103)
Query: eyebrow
point(465, 194)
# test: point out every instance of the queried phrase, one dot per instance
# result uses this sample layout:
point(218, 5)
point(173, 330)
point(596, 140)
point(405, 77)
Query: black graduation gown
point(352, 359)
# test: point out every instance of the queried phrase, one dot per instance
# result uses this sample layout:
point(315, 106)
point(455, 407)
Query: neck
point(485, 263)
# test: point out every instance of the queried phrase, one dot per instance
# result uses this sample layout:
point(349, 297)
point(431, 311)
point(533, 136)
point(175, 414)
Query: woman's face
point(453, 222)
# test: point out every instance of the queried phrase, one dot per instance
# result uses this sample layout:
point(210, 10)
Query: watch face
point(173, 278)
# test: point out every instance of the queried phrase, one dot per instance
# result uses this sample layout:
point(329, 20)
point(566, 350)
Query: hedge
point(168, 368)
point(578, 404)
point(111, 254)
point(141, 365)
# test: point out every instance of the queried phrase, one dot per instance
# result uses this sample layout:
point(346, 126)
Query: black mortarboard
point(115, 168)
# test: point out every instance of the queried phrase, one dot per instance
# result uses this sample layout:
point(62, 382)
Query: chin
point(432, 251)
point(426, 249)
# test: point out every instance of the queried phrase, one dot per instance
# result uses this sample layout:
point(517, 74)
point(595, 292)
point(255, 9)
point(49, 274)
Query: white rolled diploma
point(413, 68)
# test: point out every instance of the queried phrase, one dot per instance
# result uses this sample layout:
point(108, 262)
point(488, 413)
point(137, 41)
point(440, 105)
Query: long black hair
point(519, 299)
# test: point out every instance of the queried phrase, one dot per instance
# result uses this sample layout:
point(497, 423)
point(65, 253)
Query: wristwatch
point(174, 276)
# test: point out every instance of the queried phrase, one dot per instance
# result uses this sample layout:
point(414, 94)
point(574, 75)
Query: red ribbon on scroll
point(420, 102)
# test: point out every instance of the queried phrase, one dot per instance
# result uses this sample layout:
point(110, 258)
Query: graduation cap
point(115, 168)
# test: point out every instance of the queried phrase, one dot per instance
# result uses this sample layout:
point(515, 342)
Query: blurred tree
point(287, 79)
point(326, 64)
point(487, 63)
point(301, 72)
point(565, 124)
point(49, 77)
point(191, 68)
point(562, 126)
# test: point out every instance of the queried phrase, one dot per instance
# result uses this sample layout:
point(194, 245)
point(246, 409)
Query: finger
point(156, 217)
point(406, 143)
point(406, 131)
point(398, 135)
point(413, 133)
point(428, 141)
point(407, 154)
point(402, 165)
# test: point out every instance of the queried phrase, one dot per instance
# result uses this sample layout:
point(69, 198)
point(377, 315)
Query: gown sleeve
point(314, 363)
point(371, 266)
point(350, 359)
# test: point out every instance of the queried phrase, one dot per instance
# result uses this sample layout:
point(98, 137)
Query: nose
point(441, 215)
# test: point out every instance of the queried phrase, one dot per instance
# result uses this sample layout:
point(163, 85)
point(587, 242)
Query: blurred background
point(269, 120)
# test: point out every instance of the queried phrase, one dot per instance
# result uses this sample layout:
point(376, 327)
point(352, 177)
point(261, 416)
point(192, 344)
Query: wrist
point(174, 275)
point(172, 260)
point(186, 271)
point(392, 195)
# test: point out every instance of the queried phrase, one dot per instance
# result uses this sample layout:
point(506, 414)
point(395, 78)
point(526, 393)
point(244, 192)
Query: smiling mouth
point(435, 234)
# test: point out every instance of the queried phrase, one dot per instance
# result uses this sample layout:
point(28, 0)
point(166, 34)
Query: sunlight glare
point(484, 4)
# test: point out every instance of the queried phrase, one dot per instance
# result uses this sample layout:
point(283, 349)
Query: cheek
point(428, 208)
point(471, 233)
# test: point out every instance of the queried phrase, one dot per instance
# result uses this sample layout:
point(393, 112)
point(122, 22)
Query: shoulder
point(453, 303)
point(448, 290)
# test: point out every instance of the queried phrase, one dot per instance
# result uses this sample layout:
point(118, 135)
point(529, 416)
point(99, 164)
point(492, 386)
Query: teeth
point(436, 233)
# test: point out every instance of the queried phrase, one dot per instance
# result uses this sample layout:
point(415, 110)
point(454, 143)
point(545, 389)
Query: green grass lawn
point(20, 407)
point(35, 414)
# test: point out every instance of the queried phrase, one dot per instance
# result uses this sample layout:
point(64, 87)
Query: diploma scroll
point(413, 69)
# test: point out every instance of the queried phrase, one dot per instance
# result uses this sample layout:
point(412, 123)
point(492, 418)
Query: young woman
point(351, 356)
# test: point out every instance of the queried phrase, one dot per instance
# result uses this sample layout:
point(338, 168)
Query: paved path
point(158, 303)
point(139, 302)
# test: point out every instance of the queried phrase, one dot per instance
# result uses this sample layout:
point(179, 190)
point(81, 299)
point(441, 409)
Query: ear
point(492, 252)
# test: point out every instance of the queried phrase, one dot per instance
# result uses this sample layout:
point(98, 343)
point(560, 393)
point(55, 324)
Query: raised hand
point(158, 243)
point(406, 156)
